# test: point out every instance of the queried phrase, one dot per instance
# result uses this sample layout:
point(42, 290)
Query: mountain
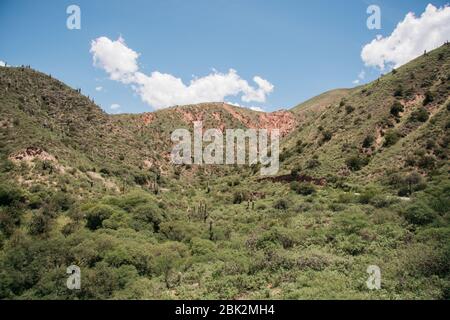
point(45, 120)
point(363, 181)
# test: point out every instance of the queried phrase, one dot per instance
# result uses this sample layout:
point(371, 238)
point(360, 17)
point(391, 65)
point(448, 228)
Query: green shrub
point(427, 162)
point(420, 115)
point(396, 108)
point(147, 215)
point(399, 91)
point(349, 109)
point(97, 214)
point(368, 141)
point(303, 188)
point(429, 97)
point(281, 204)
point(10, 196)
point(326, 135)
point(356, 162)
point(40, 223)
point(419, 213)
point(390, 138)
point(367, 195)
point(312, 163)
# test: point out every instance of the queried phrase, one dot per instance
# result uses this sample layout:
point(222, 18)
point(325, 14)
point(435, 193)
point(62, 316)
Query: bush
point(10, 196)
point(420, 115)
point(420, 213)
point(427, 162)
point(368, 141)
point(97, 214)
point(303, 188)
point(239, 197)
point(349, 109)
point(148, 215)
point(326, 136)
point(398, 92)
point(390, 138)
point(429, 97)
point(281, 204)
point(40, 223)
point(312, 163)
point(367, 195)
point(396, 108)
point(356, 162)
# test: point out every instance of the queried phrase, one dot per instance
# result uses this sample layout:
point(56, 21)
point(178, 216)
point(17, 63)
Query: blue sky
point(303, 48)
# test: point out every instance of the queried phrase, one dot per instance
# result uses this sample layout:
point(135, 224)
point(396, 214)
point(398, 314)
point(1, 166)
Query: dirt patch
point(147, 118)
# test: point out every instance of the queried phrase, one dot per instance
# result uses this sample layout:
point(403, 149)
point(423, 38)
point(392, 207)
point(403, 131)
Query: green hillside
point(364, 181)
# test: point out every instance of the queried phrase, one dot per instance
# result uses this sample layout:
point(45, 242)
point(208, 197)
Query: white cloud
point(119, 61)
point(115, 106)
point(410, 38)
point(355, 81)
point(161, 90)
point(99, 88)
point(2, 64)
point(257, 109)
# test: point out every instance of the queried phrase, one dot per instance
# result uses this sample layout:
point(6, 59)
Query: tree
point(413, 179)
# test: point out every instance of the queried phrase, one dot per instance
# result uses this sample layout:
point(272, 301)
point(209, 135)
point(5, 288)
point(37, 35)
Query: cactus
point(154, 186)
point(211, 232)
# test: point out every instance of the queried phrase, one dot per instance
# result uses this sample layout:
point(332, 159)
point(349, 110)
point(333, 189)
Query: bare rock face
point(222, 115)
point(285, 121)
point(31, 153)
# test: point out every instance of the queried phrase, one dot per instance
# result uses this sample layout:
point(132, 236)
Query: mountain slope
point(379, 127)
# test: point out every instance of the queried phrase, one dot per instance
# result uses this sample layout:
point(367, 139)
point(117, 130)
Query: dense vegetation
point(81, 195)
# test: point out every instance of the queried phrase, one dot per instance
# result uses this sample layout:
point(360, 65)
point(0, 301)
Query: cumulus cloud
point(410, 38)
point(119, 61)
point(161, 90)
point(115, 106)
point(2, 63)
point(99, 88)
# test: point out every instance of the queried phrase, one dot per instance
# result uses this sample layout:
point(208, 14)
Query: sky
point(139, 56)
